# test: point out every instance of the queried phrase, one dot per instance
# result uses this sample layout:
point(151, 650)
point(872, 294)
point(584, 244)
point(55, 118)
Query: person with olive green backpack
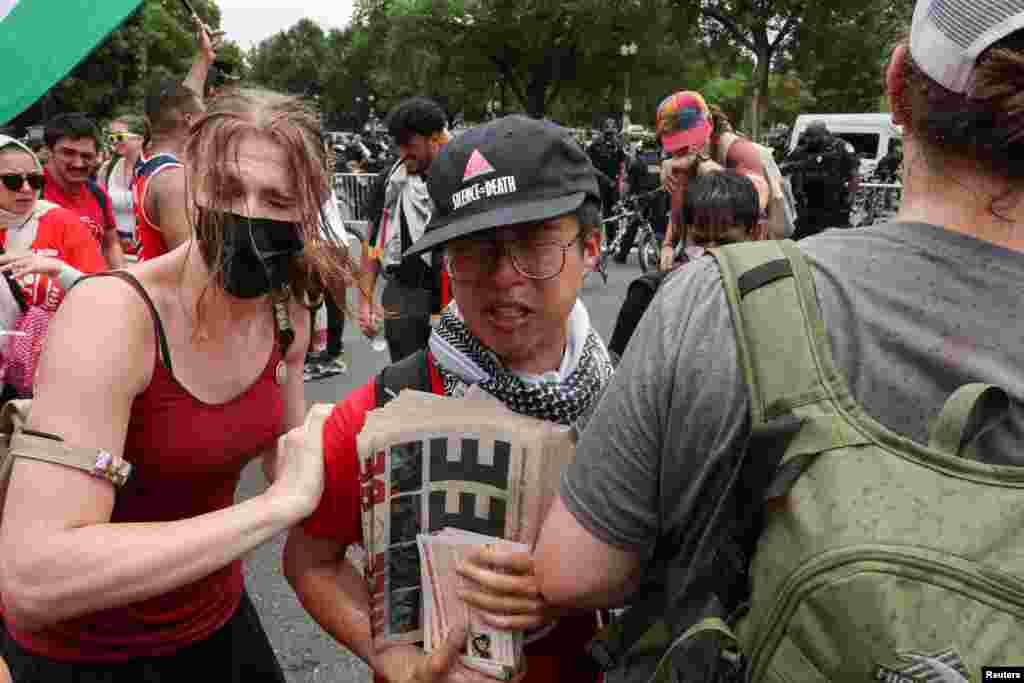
point(812, 457)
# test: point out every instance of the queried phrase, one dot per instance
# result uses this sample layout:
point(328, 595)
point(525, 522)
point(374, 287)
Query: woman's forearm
point(62, 574)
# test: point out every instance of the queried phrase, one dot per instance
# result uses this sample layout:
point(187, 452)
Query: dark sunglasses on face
point(15, 181)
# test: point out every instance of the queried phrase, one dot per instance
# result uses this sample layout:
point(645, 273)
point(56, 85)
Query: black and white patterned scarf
point(464, 362)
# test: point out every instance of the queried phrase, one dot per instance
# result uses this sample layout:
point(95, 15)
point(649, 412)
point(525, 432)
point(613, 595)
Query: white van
point(870, 134)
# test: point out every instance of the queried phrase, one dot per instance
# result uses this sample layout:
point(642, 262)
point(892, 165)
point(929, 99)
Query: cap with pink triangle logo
point(477, 166)
point(510, 171)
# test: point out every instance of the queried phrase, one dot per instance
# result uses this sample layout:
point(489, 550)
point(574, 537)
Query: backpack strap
point(16, 291)
point(968, 413)
point(412, 372)
point(109, 167)
point(146, 168)
point(780, 336)
point(100, 195)
point(725, 142)
point(785, 354)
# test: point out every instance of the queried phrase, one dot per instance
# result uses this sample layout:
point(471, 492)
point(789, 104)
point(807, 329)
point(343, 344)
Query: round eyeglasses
point(471, 260)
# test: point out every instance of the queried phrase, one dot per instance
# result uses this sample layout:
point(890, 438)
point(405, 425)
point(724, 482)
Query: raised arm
point(61, 555)
point(209, 42)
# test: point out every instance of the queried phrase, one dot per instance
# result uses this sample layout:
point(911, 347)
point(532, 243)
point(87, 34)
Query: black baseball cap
point(512, 170)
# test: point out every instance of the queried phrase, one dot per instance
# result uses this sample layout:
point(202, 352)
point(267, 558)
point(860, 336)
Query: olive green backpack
point(863, 556)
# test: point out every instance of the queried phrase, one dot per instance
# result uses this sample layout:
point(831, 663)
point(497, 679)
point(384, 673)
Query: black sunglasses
point(15, 181)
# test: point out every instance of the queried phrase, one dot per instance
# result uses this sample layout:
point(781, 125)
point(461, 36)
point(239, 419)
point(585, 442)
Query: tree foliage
point(763, 61)
point(841, 55)
point(155, 41)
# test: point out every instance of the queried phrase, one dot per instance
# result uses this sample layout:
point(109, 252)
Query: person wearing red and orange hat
point(701, 140)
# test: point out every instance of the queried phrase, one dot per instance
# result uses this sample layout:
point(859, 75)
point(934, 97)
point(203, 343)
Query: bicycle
point(629, 212)
point(877, 200)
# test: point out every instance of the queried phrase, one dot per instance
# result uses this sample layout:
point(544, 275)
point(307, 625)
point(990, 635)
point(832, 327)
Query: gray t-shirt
point(912, 312)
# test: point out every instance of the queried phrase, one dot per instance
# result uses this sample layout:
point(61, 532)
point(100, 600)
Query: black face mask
point(258, 253)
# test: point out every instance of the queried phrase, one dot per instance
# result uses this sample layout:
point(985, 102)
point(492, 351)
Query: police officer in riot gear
point(643, 176)
point(608, 157)
point(823, 169)
point(888, 169)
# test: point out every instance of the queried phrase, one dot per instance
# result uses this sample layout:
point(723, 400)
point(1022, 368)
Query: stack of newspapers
point(440, 477)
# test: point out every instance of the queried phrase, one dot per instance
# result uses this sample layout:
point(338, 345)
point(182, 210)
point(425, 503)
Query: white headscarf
point(9, 219)
point(7, 141)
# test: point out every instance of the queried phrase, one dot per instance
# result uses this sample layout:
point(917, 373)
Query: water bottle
point(379, 343)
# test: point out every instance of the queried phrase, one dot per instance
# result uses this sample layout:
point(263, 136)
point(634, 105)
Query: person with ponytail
point(911, 312)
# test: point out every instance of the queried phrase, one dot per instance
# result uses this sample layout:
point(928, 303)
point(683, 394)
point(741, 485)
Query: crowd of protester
point(210, 236)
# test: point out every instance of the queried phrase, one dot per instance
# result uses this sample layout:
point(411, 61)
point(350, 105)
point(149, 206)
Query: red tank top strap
point(125, 276)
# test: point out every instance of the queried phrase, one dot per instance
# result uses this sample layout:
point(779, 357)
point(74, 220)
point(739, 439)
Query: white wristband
point(68, 276)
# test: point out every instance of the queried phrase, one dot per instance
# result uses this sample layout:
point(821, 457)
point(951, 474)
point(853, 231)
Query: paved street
point(307, 654)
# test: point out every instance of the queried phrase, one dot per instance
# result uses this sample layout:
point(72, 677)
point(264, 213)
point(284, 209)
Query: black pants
point(335, 326)
point(609, 194)
point(638, 297)
point(407, 327)
point(239, 652)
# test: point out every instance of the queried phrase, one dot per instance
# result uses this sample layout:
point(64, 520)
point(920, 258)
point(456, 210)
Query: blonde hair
point(324, 262)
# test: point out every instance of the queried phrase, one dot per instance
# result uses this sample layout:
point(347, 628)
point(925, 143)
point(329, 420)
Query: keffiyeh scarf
point(567, 397)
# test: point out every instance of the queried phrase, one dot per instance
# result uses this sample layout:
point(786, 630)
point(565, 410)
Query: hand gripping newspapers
point(441, 476)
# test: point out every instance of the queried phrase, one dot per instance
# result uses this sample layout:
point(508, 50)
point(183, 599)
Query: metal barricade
point(875, 203)
point(352, 191)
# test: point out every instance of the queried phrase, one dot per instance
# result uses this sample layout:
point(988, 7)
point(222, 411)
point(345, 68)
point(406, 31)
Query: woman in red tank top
point(190, 366)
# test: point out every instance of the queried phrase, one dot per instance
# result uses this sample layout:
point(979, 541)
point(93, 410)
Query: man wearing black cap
point(517, 217)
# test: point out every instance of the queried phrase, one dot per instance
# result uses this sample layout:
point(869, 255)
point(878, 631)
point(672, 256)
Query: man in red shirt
point(73, 141)
point(518, 214)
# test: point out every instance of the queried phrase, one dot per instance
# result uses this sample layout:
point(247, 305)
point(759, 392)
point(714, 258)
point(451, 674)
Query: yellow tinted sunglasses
point(122, 136)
